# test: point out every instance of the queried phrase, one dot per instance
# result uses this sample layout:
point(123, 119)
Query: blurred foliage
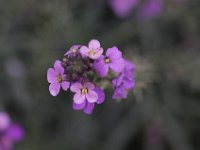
point(162, 112)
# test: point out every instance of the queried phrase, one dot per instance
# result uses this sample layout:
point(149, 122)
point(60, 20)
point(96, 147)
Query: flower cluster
point(146, 9)
point(82, 70)
point(9, 132)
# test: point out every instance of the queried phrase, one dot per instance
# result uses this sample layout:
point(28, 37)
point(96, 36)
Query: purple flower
point(125, 81)
point(93, 51)
point(56, 78)
point(4, 121)
point(101, 95)
point(113, 60)
point(73, 50)
point(84, 92)
point(15, 133)
point(122, 8)
point(12, 133)
point(82, 64)
point(120, 92)
point(85, 106)
point(88, 107)
point(150, 9)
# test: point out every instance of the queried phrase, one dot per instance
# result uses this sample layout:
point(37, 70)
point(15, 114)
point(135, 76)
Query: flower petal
point(79, 106)
point(101, 95)
point(68, 52)
point(129, 65)
point(6, 144)
point(129, 84)
point(84, 51)
point(79, 98)
point(129, 70)
point(54, 88)
point(76, 87)
point(129, 74)
point(72, 48)
point(15, 133)
point(100, 67)
point(65, 85)
point(94, 44)
point(150, 9)
point(89, 108)
point(117, 65)
point(114, 53)
point(4, 121)
point(89, 85)
point(58, 67)
point(120, 92)
point(97, 54)
point(122, 8)
point(51, 75)
point(118, 80)
point(91, 96)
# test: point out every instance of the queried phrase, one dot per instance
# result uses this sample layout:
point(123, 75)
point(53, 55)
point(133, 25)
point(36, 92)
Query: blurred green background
point(162, 111)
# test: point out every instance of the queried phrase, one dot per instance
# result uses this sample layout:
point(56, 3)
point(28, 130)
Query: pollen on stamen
point(92, 52)
point(59, 78)
point(107, 60)
point(74, 50)
point(84, 90)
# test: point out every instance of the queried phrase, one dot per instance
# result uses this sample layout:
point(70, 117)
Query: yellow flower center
point(107, 60)
point(84, 90)
point(74, 50)
point(92, 52)
point(59, 78)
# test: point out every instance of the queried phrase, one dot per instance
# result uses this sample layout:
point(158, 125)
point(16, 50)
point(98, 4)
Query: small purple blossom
point(120, 92)
point(124, 82)
point(84, 92)
point(73, 50)
point(88, 107)
point(4, 121)
point(146, 10)
point(15, 133)
point(80, 70)
point(150, 9)
point(122, 8)
point(93, 51)
point(143, 9)
point(113, 60)
point(101, 95)
point(85, 106)
point(56, 78)
point(10, 134)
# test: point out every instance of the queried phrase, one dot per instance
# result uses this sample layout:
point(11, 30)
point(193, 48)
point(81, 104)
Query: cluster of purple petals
point(122, 8)
point(146, 9)
point(150, 9)
point(124, 81)
point(80, 67)
point(9, 132)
